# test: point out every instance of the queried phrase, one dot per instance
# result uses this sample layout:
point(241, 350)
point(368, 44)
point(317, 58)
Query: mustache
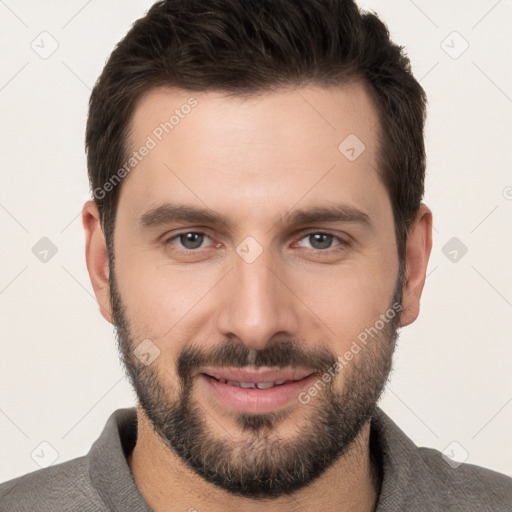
point(281, 354)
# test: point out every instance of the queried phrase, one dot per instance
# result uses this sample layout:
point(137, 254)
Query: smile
point(254, 385)
point(254, 397)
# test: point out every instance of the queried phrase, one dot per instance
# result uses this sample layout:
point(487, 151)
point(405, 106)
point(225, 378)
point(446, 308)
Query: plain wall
point(60, 377)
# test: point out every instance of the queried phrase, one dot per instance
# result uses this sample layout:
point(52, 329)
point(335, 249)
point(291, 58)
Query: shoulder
point(475, 487)
point(63, 487)
point(422, 479)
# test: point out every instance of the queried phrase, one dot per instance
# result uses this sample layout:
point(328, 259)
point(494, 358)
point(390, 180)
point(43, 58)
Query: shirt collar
point(395, 454)
point(404, 473)
point(108, 467)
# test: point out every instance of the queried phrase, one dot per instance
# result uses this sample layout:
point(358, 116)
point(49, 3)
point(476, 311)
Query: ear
point(419, 246)
point(96, 256)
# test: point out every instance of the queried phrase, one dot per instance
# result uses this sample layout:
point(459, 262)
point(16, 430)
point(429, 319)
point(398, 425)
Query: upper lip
point(245, 375)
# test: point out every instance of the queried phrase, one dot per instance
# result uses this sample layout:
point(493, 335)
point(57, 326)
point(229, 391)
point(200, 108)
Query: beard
point(258, 463)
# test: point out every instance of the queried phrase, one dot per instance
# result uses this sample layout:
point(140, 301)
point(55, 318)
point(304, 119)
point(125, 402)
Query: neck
point(352, 483)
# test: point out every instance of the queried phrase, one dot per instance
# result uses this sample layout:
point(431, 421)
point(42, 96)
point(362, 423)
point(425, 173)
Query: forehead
point(271, 150)
point(318, 113)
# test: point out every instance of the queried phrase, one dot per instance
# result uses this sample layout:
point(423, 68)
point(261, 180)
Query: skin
point(252, 161)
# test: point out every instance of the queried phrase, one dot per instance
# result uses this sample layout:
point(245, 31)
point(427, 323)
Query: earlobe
point(96, 257)
point(419, 247)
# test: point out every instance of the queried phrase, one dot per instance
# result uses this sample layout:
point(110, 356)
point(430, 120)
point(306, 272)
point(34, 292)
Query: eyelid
point(312, 231)
point(309, 231)
point(169, 239)
point(298, 237)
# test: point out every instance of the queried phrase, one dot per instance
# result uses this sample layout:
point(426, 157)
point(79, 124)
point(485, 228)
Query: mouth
point(255, 392)
point(254, 385)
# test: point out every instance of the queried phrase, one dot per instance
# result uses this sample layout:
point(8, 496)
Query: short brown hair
point(243, 47)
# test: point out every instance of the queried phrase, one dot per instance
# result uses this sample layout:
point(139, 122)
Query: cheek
point(168, 302)
point(159, 296)
point(346, 300)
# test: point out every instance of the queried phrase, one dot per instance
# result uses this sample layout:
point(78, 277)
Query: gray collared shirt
point(413, 479)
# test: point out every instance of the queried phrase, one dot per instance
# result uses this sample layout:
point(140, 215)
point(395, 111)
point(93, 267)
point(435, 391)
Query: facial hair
point(262, 465)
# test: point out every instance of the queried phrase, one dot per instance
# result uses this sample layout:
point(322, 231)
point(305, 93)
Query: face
point(254, 244)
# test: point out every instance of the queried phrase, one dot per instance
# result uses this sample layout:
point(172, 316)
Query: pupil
point(193, 239)
point(321, 240)
point(326, 240)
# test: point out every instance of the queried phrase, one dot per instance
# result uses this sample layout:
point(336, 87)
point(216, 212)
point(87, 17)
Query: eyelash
point(341, 245)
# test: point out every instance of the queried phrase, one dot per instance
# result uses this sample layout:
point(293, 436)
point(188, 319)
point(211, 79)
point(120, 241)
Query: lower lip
point(256, 401)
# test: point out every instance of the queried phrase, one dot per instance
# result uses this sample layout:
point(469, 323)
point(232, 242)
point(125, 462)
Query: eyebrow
point(168, 212)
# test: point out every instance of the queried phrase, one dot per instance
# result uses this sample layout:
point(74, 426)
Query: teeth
point(247, 385)
point(265, 385)
point(253, 385)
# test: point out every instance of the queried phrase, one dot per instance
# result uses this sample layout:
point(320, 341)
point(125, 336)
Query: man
point(257, 237)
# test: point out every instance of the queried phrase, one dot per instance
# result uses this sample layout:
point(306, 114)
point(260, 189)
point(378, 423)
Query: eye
point(320, 241)
point(190, 240)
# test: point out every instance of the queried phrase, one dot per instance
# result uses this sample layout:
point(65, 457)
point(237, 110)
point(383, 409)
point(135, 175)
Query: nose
point(256, 303)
